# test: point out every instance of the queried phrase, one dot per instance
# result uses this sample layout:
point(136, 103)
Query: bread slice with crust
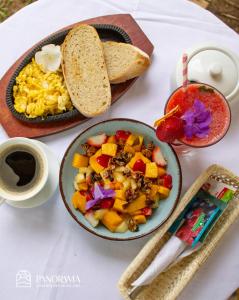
point(85, 71)
point(124, 61)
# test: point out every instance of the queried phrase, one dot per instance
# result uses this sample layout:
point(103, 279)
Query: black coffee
point(21, 169)
point(23, 164)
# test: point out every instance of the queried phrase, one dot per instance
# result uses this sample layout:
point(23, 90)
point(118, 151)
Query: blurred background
point(226, 10)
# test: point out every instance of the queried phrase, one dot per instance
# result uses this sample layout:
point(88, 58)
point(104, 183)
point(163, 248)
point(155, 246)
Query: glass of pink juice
point(213, 101)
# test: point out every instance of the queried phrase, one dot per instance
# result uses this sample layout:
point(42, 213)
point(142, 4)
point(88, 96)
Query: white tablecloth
point(46, 240)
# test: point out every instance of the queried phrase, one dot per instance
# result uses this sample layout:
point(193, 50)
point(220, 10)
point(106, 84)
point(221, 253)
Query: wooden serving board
point(15, 127)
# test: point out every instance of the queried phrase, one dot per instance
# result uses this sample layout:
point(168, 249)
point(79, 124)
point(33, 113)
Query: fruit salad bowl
point(87, 211)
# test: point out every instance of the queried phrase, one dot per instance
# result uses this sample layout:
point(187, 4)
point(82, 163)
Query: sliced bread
point(85, 71)
point(124, 61)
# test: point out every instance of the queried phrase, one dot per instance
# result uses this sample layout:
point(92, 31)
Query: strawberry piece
point(107, 203)
point(157, 157)
point(122, 134)
point(170, 129)
point(103, 160)
point(87, 194)
point(147, 211)
point(97, 140)
point(139, 166)
point(167, 181)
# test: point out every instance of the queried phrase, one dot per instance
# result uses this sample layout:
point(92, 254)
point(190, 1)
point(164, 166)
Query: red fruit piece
point(170, 129)
point(107, 203)
point(122, 134)
point(87, 194)
point(97, 140)
point(167, 181)
point(147, 211)
point(139, 166)
point(103, 160)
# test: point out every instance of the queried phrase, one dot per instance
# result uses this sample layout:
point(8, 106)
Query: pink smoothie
point(214, 101)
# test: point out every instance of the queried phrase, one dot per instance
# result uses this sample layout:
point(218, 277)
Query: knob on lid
point(214, 65)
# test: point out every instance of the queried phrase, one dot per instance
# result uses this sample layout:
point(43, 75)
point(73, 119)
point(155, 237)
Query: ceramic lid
point(214, 65)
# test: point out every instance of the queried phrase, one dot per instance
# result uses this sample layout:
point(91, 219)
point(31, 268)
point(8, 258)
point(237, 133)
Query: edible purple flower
point(197, 120)
point(99, 194)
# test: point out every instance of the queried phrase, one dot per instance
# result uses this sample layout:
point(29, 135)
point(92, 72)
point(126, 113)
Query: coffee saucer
point(51, 185)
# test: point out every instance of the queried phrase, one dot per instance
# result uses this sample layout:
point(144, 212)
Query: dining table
point(45, 241)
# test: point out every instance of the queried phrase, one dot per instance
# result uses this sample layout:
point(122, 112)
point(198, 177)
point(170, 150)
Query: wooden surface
point(14, 127)
point(226, 10)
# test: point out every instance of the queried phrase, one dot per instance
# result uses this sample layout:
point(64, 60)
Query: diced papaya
point(79, 201)
point(129, 149)
point(151, 170)
point(80, 160)
point(111, 139)
point(109, 149)
point(95, 165)
point(161, 171)
point(137, 156)
point(116, 185)
point(138, 146)
point(119, 205)
point(137, 204)
point(120, 194)
point(83, 186)
point(111, 220)
point(163, 191)
point(140, 219)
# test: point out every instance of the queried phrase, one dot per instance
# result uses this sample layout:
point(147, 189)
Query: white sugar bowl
point(213, 65)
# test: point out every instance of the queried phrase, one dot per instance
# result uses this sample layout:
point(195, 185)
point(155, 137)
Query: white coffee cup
point(5, 194)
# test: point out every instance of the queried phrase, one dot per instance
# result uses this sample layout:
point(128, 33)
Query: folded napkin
point(168, 254)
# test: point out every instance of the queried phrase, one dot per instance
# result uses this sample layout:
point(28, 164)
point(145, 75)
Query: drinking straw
point(185, 71)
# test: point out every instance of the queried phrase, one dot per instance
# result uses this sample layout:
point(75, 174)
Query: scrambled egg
point(38, 94)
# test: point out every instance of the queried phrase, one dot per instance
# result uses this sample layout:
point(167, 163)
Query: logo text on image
point(57, 280)
point(23, 278)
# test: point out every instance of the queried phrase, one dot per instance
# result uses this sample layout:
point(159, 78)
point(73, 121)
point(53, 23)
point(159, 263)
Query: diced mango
point(109, 149)
point(140, 219)
point(98, 153)
point(83, 186)
point(79, 201)
point(131, 139)
point(130, 149)
point(111, 220)
point(119, 205)
point(163, 191)
point(139, 146)
point(137, 204)
point(80, 160)
point(151, 170)
point(161, 171)
point(120, 194)
point(137, 156)
point(111, 139)
point(153, 190)
point(95, 165)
